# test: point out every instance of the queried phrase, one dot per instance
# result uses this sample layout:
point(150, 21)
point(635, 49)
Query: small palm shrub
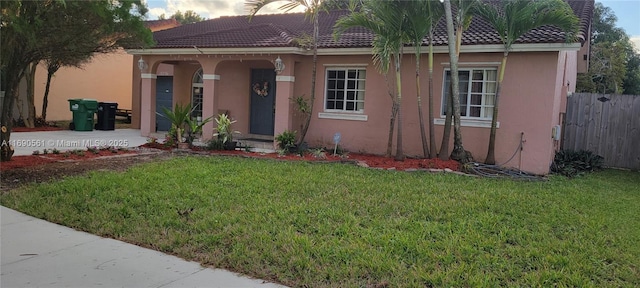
point(286, 140)
point(572, 163)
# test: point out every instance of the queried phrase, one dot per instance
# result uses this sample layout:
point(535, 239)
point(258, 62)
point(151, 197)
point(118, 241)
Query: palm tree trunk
point(313, 78)
point(458, 152)
point(399, 151)
point(491, 153)
point(425, 149)
point(432, 133)
point(392, 123)
point(446, 135)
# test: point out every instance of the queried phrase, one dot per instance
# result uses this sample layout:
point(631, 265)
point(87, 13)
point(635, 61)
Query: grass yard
point(335, 225)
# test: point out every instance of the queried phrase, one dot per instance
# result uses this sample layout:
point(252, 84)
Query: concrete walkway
point(36, 253)
point(24, 143)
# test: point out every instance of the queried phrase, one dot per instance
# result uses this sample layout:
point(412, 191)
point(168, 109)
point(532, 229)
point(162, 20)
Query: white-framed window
point(477, 92)
point(197, 86)
point(344, 89)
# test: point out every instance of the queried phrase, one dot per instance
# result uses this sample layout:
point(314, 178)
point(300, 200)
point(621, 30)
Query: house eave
point(492, 48)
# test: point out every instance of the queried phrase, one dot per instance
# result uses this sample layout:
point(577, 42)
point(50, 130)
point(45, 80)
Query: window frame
point(346, 89)
point(471, 120)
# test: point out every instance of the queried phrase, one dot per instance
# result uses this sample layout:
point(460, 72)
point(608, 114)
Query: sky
point(627, 11)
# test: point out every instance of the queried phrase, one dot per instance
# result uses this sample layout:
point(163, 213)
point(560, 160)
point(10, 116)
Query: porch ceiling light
point(142, 65)
point(279, 65)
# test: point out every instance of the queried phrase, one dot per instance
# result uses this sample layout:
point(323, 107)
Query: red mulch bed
point(374, 161)
point(36, 160)
point(36, 129)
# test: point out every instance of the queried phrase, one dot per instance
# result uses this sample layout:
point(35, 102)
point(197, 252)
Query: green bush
point(286, 140)
point(571, 163)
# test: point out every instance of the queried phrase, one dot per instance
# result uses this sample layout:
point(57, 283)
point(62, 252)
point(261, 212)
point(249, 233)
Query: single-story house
point(227, 65)
point(90, 81)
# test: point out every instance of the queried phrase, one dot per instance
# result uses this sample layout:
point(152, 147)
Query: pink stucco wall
point(532, 100)
point(106, 78)
point(527, 105)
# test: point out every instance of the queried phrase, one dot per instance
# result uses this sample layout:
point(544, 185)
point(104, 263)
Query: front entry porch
point(247, 88)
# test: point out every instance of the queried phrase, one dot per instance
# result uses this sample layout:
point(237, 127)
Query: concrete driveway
point(25, 143)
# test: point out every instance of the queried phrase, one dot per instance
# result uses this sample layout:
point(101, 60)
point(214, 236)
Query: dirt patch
point(50, 170)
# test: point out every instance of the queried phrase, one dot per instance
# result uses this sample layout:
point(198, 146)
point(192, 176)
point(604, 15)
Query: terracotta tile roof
point(280, 30)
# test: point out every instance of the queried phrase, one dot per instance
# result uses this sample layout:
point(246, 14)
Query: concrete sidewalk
point(36, 253)
point(24, 143)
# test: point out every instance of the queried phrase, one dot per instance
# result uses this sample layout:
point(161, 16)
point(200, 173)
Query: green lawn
point(337, 225)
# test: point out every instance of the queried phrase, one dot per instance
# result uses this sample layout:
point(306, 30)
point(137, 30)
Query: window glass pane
point(331, 105)
point(488, 112)
point(476, 87)
point(488, 99)
point(340, 84)
point(340, 95)
point(360, 95)
point(360, 106)
point(475, 112)
point(463, 99)
point(491, 75)
point(340, 105)
point(463, 110)
point(331, 74)
point(351, 84)
point(476, 99)
point(340, 74)
point(331, 95)
point(331, 84)
point(362, 74)
point(351, 95)
point(352, 74)
point(490, 87)
point(360, 85)
point(350, 106)
point(477, 74)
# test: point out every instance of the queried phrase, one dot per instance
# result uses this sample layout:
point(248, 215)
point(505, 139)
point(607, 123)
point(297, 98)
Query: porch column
point(284, 92)
point(148, 104)
point(209, 103)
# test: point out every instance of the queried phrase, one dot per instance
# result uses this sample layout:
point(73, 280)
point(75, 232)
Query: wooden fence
point(610, 128)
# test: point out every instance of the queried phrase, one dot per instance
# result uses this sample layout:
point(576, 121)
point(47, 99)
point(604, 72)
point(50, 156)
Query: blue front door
point(164, 98)
point(263, 95)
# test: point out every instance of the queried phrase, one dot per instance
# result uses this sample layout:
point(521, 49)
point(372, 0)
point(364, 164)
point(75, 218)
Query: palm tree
point(420, 14)
point(434, 11)
point(458, 152)
point(512, 19)
point(312, 9)
point(464, 13)
point(385, 18)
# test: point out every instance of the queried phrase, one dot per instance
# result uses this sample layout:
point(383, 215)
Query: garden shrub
point(571, 163)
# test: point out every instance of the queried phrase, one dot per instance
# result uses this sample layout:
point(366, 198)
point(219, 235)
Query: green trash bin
point(83, 111)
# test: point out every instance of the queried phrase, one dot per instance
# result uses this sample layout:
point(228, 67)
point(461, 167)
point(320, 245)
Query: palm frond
point(514, 18)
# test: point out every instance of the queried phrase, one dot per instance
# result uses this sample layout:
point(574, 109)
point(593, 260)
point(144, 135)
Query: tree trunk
point(399, 151)
point(12, 81)
point(51, 69)
point(458, 152)
point(392, 123)
point(425, 149)
point(313, 77)
point(491, 153)
point(432, 133)
point(446, 135)
point(30, 76)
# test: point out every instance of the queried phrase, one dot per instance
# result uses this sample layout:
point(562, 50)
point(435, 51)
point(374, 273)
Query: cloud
point(208, 8)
